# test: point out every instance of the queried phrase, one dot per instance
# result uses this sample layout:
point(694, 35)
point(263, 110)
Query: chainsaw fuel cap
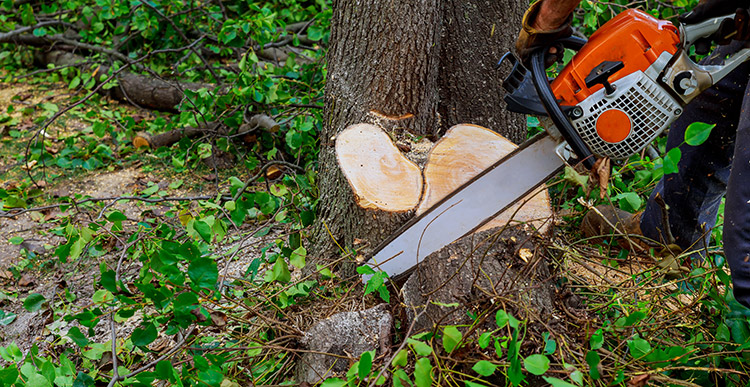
point(613, 125)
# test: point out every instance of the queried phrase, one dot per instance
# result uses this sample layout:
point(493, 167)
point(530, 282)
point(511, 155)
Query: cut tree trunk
point(380, 176)
point(462, 153)
point(388, 65)
point(383, 179)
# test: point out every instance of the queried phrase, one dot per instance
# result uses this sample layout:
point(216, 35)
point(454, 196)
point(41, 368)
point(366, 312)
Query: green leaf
point(376, 282)
point(575, 178)
point(401, 379)
point(144, 336)
point(593, 359)
point(550, 346)
point(203, 273)
point(536, 364)
point(484, 368)
point(629, 201)
point(671, 161)
point(419, 347)
point(423, 372)
point(555, 382)
point(281, 271)
point(6, 317)
point(597, 339)
point(484, 340)
point(401, 358)
point(365, 365)
point(102, 296)
point(16, 240)
point(77, 336)
point(333, 382)
point(34, 302)
point(152, 189)
point(697, 133)
point(639, 347)
point(8, 375)
point(204, 230)
point(37, 380)
point(314, 33)
point(451, 338)
point(83, 380)
point(297, 259)
point(501, 318)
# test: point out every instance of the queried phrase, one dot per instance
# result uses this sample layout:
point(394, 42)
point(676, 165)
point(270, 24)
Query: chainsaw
point(623, 87)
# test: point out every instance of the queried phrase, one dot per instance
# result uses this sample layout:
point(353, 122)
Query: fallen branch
point(146, 91)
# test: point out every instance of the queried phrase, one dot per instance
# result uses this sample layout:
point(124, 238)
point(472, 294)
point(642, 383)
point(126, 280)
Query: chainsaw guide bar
point(460, 213)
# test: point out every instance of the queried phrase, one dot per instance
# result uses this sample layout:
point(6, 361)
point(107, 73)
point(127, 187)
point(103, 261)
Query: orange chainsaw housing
point(633, 37)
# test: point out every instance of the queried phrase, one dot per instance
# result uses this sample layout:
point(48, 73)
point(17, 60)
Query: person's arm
point(554, 13)
point(545, 22)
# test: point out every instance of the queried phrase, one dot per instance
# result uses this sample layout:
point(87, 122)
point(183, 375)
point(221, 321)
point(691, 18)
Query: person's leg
point(693, 195)
point(737, 209)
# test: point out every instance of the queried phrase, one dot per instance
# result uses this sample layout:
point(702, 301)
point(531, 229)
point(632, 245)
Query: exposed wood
point(263, 121)
point(380, 176)
point(168, 138)
point(273, 172)
point(463, 152)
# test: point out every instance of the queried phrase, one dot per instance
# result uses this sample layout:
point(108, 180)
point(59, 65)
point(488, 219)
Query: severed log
point(382, 178)
point(379, 175)
point(463, 152)
point(143, 139)
point(139, 89)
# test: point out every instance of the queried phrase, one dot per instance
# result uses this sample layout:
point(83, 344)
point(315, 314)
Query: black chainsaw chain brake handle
point(529, 92)
point(600, 74)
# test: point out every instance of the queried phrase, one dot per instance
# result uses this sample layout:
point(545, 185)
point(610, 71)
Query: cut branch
point(143, 90)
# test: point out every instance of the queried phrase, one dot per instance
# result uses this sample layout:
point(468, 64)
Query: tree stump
point(485, 268)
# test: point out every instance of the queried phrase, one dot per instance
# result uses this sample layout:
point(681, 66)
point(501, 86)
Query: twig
point(403, 344)
point(185, 38)
point(4, 214)
point(6, 36)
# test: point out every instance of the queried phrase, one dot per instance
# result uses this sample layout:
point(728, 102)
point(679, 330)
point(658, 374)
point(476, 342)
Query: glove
point(737, 29)
point(712, 8)
point(529, 39)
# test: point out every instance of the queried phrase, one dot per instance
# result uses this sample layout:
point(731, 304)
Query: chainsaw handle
point(555, 113)
point(690, 34)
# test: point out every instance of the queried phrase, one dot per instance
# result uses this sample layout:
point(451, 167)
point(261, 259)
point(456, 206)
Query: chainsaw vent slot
point(649, 108)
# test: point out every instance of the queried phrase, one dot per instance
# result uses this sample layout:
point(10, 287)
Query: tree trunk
point(388, 65)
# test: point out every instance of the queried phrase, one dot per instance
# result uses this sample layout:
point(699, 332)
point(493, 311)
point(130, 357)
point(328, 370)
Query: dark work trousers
point(718, 167)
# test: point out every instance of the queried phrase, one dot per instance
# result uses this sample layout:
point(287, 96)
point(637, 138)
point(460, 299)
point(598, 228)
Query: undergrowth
point(162, 308)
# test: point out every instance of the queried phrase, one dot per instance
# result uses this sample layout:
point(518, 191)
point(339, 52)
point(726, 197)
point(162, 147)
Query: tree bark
point(387, 65)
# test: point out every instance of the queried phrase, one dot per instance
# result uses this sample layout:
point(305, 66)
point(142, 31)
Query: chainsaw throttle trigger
point(601, 73)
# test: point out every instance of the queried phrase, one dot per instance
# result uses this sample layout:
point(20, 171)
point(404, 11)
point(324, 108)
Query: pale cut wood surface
point(378, 173)
point(463, 152)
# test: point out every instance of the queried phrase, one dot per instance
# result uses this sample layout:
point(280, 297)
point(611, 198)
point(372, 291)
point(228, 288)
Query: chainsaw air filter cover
point(612, 81)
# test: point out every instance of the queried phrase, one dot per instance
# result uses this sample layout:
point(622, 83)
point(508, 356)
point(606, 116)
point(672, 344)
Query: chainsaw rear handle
point(555, 113)
point(691, 33)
